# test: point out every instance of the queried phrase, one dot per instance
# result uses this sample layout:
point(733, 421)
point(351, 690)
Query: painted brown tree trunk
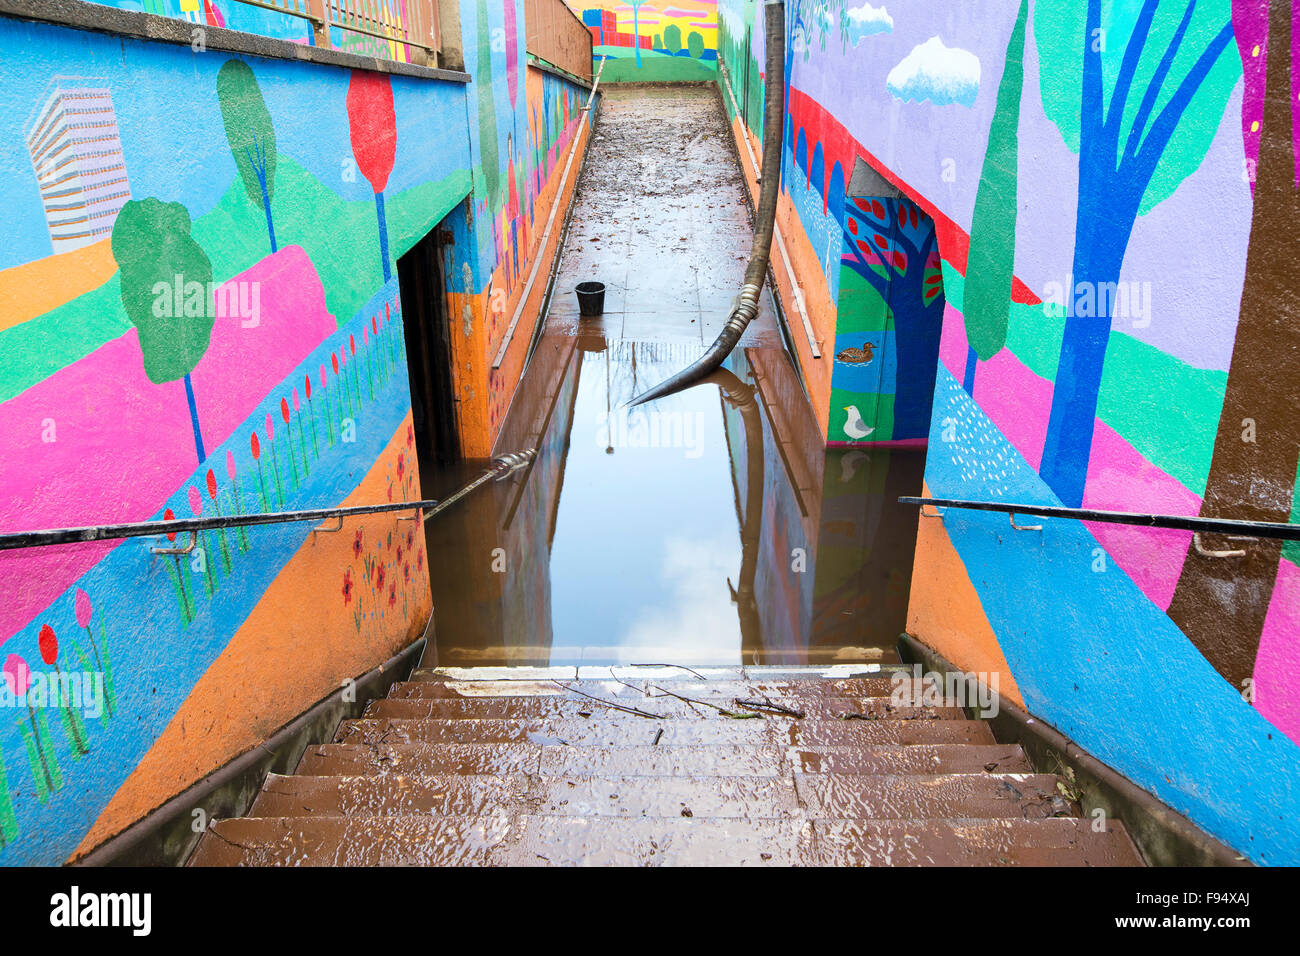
point(1220, 603)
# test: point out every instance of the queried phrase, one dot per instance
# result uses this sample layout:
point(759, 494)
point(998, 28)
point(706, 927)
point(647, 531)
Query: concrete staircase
point(639, 766)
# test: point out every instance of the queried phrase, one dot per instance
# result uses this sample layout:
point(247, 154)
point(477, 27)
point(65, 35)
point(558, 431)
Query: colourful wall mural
point(652, 41)
point(201, 317)
point(1090, 355)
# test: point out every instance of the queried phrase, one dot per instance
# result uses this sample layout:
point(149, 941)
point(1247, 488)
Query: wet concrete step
point(610, 841)
point(641, 688)
point(936, 796)
point(496, 708)
point(757, 797)
point(915, 759)
point(630, 730)
point(724, 760)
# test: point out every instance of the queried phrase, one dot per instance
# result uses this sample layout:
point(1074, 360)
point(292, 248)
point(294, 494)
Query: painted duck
point(857, 356)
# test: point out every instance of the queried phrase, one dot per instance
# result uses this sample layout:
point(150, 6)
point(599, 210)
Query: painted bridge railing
point(407, 31)
point(502, 467)
point(557, 35)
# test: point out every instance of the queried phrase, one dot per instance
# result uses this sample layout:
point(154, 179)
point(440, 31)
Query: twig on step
point(762, 705)
point(607, 703)
point(704, 703)
point(678, 666)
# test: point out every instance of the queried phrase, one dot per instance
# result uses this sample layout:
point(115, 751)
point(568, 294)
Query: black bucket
point(591, 298)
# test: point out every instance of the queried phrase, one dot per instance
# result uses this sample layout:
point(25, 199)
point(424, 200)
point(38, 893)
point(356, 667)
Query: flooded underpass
point(671, 637)
point(708, 527)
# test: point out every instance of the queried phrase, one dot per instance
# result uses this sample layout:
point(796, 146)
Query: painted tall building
point(76, 151)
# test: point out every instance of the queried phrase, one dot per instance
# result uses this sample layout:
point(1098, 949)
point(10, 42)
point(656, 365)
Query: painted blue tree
point(892, 244)
point(636, 28)
point(1132, 156)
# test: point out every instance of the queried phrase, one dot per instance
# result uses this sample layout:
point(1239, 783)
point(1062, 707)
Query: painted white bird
point(855, 427)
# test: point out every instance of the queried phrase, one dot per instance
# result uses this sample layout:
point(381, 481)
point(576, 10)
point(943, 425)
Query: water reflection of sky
point(646, 537)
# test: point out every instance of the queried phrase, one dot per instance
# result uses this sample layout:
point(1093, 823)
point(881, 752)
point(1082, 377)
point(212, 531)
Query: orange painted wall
point(808, 277)
point(944, 611)
point(479, 322)
point(288, 654)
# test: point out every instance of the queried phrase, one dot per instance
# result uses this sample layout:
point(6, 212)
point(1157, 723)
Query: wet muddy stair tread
point(733, 770)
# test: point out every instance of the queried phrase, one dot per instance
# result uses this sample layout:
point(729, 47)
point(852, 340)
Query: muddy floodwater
point(708, 527)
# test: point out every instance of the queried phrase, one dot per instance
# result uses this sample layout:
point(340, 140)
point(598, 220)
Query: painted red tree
point(372, 125)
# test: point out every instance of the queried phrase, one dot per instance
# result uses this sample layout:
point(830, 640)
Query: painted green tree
point(673, 39)
point(990, 263)
point(164, 277)
point(487, 110)
point(695, 44)
point(251, 135)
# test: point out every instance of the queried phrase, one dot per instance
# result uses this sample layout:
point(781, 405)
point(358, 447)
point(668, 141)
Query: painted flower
point(365, 336)
point(212, 485)
point(17, 674)
point(347, 586)
point(270, 428)
point(410, 436)
point(295, 398)
point(170, 515)
point(306, 384)
point(401, 464)
point(323, 383)
point(392, 594)
point(352, 343)
point(374, 324)
point(419, 560)
point(357, 545)
point(84, 610)
point(48, 643)
point(196, 502)
point(230, 464)
point(284, 410)
point(334, 360)
point(398, 555)
point(380, 575)
point(255, 446)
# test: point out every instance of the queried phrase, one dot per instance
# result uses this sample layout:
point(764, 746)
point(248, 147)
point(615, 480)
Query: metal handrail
point(1228, 526)
point(502, 467)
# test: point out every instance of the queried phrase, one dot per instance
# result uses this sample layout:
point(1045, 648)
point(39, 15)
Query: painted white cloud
point(938, 73)
point(866, 20)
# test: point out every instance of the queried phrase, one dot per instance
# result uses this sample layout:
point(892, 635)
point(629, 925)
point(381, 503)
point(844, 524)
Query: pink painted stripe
point(1277, 664)
point(123, 445)
point(1119, 477)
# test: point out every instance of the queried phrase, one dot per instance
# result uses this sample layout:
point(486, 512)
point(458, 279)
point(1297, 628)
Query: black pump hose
point(746, 304)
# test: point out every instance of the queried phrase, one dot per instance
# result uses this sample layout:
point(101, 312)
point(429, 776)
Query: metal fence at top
point(407, 31)
point(557, 35)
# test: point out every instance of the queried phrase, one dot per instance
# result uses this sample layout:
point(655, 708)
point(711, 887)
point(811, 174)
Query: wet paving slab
point(711, 527)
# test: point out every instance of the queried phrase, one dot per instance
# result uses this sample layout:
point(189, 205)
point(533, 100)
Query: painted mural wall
point(1091, 354)
point(199, 312)
point(652, 41)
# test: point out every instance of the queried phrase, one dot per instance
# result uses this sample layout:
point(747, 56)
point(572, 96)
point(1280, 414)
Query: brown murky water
point(710, 527)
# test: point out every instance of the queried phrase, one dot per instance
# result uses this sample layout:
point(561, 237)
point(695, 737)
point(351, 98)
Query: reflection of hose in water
point(741, 397)
point(746, 305)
